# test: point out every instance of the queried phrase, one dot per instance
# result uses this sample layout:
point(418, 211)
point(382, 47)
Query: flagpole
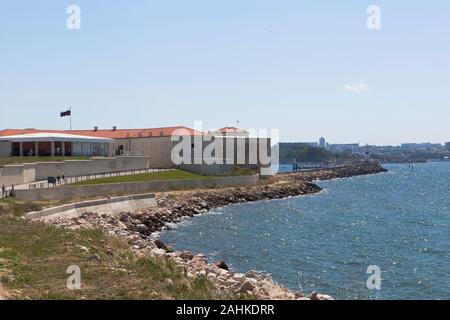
point(70, 119)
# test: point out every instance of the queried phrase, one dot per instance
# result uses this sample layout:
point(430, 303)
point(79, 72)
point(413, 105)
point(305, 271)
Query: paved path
point(25, 186)
point(71, 180)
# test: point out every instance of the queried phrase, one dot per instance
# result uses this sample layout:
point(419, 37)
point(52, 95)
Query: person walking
point(63, 177)
point(58, 179)
point(3, 191)
point(12, 191)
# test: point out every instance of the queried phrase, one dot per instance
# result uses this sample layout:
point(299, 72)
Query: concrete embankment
point(103, 190)
point(139, 227)
point(108, 206)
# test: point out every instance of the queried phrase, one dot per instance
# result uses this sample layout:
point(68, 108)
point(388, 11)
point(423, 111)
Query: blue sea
point(398, 221)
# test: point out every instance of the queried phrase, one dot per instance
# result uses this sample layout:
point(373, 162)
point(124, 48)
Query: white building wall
point(237, 150)
point(5, 149)
point(159, 149)
point(82, 149)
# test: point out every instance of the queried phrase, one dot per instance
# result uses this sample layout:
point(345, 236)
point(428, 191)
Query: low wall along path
point(73, 192)
point(107, 206)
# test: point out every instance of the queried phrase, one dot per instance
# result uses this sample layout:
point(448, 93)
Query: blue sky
point(269, 64)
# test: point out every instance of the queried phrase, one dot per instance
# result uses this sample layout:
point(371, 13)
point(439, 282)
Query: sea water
point(398, 221)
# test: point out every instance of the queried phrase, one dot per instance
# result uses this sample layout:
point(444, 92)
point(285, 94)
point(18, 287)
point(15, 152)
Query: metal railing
point(7, 194)
point(75, 179)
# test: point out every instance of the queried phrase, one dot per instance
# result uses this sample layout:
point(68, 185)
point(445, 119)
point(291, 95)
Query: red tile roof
point(112, 134)
point(231, 130)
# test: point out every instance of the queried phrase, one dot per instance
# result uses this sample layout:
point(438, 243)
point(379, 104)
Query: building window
point(119, 150)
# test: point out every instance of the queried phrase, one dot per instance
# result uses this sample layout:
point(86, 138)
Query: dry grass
point(175, 174)
point(34, 259)
point(15, 207)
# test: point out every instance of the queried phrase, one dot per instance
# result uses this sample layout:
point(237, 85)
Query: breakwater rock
point(333, 173)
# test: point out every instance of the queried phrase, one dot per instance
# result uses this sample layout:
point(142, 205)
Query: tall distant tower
point(322, 142)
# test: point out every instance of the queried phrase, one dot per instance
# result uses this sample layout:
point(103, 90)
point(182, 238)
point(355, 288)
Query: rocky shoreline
point(139, 228)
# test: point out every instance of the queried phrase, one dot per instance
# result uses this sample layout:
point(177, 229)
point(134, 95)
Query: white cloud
point(357, 88)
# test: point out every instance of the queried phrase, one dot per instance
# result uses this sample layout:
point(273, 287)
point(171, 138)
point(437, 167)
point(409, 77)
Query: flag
point(67, 113)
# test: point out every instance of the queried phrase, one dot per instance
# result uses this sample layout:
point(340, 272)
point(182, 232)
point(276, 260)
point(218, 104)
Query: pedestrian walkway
point(43, 184)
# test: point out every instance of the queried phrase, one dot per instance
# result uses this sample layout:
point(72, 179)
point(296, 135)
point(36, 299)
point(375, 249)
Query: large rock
point(318, 296)
point(122, 225)
point(247, 287)
point(142, 228)
point(257, 275)
point(222, 265)
point(200, 259)
point(186, 256)
point(161, 245)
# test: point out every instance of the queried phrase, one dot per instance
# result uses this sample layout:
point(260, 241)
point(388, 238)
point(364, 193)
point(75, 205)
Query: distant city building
point(447, 146)
point(230, 132)
point(425, 145)
point(310, 144)
point(299, 144)
point(353, 148)
point(322, 142)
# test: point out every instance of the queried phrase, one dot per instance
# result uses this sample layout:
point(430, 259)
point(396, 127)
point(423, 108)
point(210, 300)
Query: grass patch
point(153, 176)
point(241, 171)
point(175, 174)
point(20, 160)
point(34, 259)
point(16, 207)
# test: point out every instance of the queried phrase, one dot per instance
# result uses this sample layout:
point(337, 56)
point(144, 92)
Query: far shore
point(140, 229)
